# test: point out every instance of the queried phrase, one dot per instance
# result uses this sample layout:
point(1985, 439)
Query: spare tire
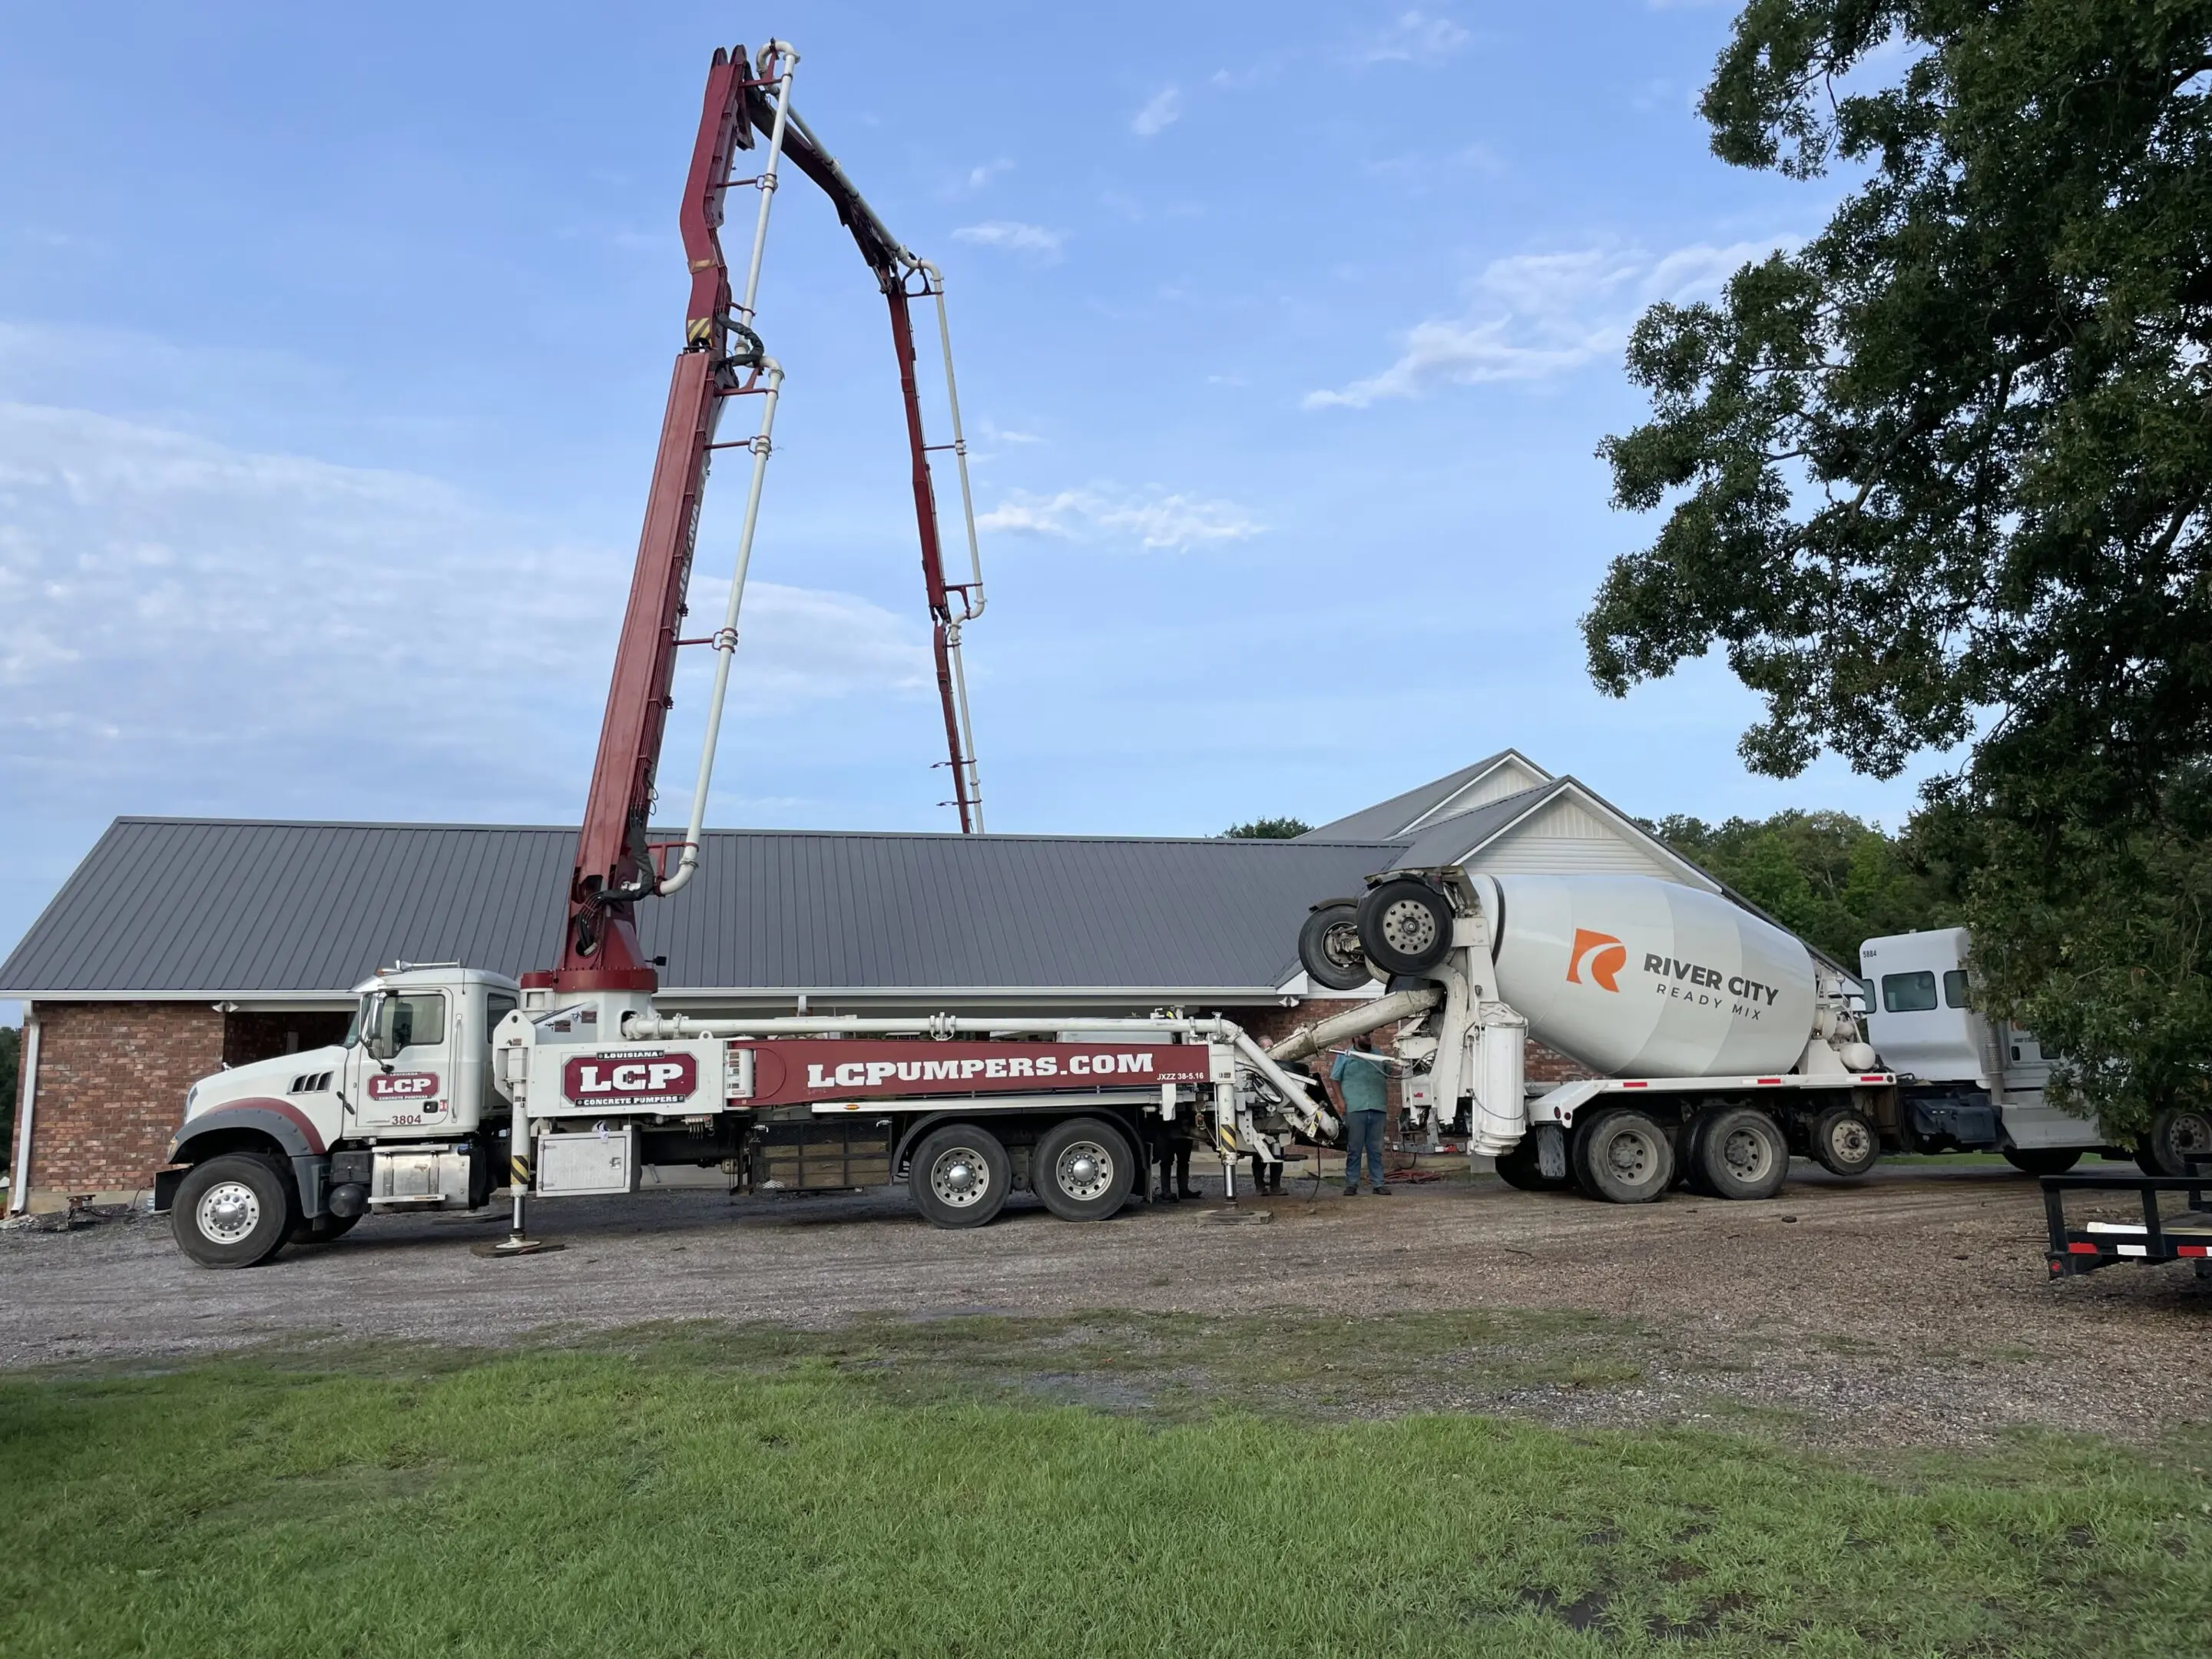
point(1330, 949)
point(1405, 925)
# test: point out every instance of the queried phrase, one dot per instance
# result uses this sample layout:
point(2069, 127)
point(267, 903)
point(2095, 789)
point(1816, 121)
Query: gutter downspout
point(19, 1196)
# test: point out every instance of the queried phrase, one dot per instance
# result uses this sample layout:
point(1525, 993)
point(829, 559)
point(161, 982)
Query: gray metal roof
point(216, 908)
point(1450, 840)
point(1396, 816)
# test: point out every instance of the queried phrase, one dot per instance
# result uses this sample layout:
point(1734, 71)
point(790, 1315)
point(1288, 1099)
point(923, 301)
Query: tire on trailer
point(1623, 1156)
point(235, 1211)
point(1328, 947)
point(1083, 1169)
point(2043, 1160)
point(2174, 1132)
point(1405, 925)
point(1741, 1153)
point(960, 1176)
point(1844, 1142)
point(1520, 1168)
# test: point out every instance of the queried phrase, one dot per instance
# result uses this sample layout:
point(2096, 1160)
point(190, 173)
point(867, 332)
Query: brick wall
point(112, 1082)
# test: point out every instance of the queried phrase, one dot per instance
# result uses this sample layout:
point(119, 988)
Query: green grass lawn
point(1104, 1486)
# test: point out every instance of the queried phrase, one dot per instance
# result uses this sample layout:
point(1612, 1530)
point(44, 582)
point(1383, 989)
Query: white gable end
point(1509, 777)
point(1565, 837)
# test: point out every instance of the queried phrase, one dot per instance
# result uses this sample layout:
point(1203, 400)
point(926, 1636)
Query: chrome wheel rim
point(960, 1178)
point(228, 1211)
point(1084, 1170)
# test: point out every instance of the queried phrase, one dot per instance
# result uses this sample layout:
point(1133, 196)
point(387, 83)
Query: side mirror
point(376, 1033)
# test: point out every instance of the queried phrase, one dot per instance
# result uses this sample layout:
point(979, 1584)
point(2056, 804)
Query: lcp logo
point(1601, 955)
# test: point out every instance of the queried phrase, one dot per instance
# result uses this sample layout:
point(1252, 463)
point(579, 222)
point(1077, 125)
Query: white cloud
point(1010, 233)
point(1157, 117)
point(979, 176)
point(1538, 315)
point(1155, 519)
point(993, 433)
point(176, 615)
point(1416, 37)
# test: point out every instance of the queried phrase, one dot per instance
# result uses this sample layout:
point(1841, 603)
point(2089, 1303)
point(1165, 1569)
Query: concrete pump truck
point(453, 1081)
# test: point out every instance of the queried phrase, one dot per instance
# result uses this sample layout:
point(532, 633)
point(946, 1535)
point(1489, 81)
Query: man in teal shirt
point(1361, 1082)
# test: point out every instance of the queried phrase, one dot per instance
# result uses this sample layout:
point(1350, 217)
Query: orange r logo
point(1601, 953)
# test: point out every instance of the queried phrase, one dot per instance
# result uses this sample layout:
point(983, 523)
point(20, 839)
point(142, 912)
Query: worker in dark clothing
point(1361, 1084)
point(1174, 1148)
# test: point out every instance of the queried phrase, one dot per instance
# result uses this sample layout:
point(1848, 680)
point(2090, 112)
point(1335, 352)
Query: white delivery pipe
point(770, 373)
point(766, 183)
point(1356, 1021)
point(726, 638)
point(643, 1028)
point(20, 1196)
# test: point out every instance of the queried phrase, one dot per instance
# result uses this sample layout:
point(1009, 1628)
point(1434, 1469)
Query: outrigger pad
point(510, 1247)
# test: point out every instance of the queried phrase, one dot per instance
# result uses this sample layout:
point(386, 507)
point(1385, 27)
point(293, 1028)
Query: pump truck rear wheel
point(960, 1176)
point(1741, 1153)
point(325, 1228)
point(1623, 1156)
point(1845, 1143)
point(1405, 925)
point(1083, 1169)
point(1328, 947)
point(235, 1211)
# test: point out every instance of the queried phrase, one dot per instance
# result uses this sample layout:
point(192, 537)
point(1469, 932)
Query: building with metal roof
point(182, 945)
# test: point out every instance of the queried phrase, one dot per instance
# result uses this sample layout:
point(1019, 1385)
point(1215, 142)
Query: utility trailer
point(2161, 1235)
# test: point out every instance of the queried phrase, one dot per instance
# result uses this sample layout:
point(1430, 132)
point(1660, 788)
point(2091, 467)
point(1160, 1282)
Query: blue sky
point(333, 344)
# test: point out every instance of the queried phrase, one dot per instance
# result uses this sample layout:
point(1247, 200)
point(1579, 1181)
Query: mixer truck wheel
point(1844, 1142)
point(1741, 1153)
point(959, 1176)
point(1405, 925)
point(2174, 1133)
point(1523, 1168)
point(1623, 1156)
point(2043, 1160)
point(1328, 947)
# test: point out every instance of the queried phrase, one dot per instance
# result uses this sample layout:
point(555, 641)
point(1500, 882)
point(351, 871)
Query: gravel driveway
point(1913, 1305)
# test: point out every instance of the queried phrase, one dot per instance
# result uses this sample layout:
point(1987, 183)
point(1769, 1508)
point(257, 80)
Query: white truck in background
point(1972, 1084)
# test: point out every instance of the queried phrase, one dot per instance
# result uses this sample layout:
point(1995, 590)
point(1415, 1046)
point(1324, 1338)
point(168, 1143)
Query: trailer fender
point(266, 1125)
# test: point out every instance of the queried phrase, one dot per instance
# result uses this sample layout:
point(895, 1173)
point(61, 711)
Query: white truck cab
point(1968, 1082)
point(400, 1115)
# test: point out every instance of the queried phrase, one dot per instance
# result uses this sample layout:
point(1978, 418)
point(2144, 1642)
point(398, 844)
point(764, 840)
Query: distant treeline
point(1828, 876)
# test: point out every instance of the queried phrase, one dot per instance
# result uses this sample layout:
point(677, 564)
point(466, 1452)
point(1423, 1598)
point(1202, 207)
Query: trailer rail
point(2159, 1237)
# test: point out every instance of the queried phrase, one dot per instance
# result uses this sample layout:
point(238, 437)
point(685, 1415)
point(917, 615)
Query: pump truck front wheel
point(1523, 1167)
point(1623, 1156)
point(235, 1211)
point(1083, 1169)
point(960, 1176)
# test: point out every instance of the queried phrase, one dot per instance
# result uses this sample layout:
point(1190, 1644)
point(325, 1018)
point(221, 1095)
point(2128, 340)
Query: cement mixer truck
point(1720, 1044)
